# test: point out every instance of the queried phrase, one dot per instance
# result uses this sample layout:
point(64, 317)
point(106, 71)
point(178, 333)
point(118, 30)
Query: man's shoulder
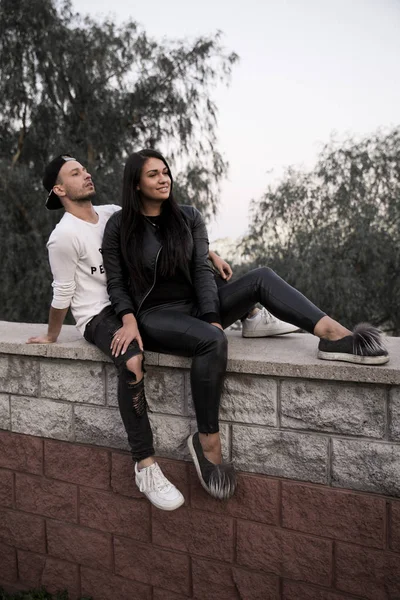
point(64, 236)
point(108, 210)
point(64, 228)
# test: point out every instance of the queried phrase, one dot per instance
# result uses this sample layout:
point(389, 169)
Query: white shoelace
point(266, 316)
point(152, 478)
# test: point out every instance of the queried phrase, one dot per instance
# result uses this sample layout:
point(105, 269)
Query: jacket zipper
point(154, 282)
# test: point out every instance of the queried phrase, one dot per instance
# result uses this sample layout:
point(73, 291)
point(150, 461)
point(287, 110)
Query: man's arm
point(56, 320)
point(223, 268)
point(202, 273)
point(63, 257)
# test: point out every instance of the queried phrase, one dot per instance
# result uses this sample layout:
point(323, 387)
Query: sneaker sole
point(353, 358)
point(196, 462)
point(273, 332)
point(163, 507)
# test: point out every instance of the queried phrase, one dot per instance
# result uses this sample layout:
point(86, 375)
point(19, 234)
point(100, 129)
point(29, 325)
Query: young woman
point(155, 255)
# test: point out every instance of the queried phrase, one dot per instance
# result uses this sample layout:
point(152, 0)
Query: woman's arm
point(118, 289)
point(117, 276)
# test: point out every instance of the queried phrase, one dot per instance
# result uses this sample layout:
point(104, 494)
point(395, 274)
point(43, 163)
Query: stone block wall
point(317, 445)
point(343, 434)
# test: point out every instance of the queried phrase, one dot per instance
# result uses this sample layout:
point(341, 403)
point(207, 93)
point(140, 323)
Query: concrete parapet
point(283, 412)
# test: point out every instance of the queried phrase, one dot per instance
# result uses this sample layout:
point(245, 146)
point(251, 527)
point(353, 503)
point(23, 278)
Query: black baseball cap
point(50, 177)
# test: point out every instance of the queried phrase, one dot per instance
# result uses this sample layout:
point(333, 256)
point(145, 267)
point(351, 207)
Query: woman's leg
point(174, 331)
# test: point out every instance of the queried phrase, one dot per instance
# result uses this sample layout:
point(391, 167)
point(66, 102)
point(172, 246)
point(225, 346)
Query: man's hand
point(56, 319)
point(217, 325)
point(125, 335)
point(42, 339)
point(221, 266)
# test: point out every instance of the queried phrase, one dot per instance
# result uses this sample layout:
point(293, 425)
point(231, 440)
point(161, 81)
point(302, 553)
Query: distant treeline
point(334, 232)
point(97, 91)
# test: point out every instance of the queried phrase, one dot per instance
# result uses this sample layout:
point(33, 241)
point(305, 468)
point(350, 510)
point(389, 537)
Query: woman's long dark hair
point(174, 232)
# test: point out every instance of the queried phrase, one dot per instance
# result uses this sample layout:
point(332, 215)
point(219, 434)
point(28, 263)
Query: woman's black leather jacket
point(123, 296)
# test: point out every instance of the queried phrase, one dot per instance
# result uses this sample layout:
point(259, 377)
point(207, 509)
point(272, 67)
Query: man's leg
point(133, 410)
point(266, 287)
point(260, 322)
point(131, 397)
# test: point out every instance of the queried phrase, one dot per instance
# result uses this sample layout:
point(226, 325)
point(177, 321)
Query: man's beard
point(83, 199)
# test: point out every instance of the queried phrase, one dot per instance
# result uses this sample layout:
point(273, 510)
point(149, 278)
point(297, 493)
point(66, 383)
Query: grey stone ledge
point(293, 355)
point(70, 344)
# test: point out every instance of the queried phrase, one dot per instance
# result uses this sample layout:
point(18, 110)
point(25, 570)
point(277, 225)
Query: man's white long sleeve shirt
point(76, 262)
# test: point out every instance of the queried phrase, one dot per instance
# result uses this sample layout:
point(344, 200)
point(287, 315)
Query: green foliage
point(334, 233)
point(40, 594)
point(97, 91)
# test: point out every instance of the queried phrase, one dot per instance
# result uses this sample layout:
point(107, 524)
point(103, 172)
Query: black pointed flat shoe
point(363, 347)
point(218, 480)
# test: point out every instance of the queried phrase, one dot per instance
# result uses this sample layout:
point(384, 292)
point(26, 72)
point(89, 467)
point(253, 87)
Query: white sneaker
point(162, 493)
point(263, 324)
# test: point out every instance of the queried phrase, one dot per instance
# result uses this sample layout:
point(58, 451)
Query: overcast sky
point(307, 69)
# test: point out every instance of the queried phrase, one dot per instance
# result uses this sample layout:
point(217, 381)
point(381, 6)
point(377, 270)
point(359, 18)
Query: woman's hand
point(217, 325)
point(125, 335)
point(221, 266)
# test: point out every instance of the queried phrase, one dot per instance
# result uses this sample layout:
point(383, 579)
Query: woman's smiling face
point(155, 182)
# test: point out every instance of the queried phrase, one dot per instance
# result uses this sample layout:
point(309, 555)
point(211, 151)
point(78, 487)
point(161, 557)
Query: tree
point(334, 232)
point(97, 91)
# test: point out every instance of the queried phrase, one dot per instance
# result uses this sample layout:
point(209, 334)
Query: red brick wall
point(71, 517)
